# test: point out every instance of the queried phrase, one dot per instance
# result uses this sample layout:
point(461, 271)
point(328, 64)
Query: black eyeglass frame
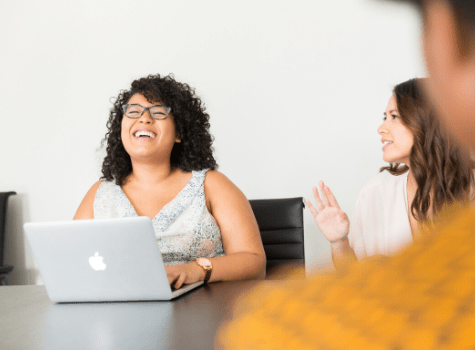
point(124, 109)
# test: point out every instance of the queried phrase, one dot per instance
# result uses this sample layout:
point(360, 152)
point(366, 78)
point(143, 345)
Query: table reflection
point(135, 325)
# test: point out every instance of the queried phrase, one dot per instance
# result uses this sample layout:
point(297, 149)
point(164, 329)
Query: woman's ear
point(177, 137)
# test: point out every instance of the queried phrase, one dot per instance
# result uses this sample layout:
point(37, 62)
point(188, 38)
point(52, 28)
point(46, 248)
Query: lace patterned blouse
point(184, 228)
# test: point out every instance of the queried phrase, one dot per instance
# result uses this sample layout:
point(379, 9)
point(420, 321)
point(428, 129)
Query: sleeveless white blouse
point(184, 228)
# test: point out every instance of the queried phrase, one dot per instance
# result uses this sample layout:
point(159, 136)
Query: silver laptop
point(101, 260)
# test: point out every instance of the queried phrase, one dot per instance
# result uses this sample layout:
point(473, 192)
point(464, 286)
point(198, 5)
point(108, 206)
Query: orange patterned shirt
point(422, 298)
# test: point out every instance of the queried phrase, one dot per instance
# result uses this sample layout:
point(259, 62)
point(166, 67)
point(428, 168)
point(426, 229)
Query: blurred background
point(295, 92)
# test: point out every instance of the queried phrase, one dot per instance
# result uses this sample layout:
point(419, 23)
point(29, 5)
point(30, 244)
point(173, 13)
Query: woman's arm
point(334, 224)
point(245, 257)
point(86, 208)
point(342, 253)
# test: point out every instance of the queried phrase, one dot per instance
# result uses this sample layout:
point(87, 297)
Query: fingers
point(172, 275)
point(172, 279)
point(318, 201)
point(312, 208)
point(176, 280)
point(331, 197)
point(180, 281)
point(325, 200)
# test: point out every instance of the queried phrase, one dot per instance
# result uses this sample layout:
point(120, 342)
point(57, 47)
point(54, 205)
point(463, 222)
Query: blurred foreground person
point(423, 298)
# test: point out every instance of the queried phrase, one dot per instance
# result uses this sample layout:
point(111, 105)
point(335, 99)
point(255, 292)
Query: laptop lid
point(100, 260)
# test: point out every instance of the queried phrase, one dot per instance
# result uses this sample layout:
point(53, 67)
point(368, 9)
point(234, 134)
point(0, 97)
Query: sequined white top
point(184, 228)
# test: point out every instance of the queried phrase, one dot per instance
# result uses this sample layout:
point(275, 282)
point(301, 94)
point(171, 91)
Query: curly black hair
point(194, 152)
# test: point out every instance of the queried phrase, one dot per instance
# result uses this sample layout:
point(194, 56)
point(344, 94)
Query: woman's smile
point(386, 144)
point(144, 134)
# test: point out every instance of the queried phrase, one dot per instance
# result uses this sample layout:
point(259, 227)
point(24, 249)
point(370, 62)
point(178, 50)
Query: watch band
point(208, 275)
point(205, 265)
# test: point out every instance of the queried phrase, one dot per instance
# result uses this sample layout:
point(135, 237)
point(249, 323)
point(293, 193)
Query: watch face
point(204, 262)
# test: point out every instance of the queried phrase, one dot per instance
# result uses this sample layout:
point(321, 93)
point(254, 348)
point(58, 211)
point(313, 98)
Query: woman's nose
point(382, 129)
point(146, 117)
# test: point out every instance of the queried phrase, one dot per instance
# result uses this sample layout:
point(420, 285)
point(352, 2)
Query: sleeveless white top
point(380, 221)
point(184, 228)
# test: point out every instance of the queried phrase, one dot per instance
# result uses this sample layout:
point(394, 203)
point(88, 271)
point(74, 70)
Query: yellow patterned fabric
point(423, 298)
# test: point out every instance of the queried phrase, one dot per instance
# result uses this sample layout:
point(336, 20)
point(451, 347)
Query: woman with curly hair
point(426, 171)
point(160, 164)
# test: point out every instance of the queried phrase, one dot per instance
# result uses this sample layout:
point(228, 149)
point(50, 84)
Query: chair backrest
point(281, 225)
point(3, 219)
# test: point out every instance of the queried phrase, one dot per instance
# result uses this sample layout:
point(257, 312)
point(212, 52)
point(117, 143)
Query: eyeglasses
point(135, 111)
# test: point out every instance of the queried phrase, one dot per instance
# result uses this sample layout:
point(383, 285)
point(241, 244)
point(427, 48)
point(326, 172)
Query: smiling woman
point(427, 170)
point(160, 164)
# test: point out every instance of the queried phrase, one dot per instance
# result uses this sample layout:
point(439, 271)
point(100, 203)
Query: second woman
point(426, 171)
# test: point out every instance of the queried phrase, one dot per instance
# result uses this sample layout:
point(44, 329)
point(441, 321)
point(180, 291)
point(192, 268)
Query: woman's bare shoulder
point(218, 187)
point(216, 180)
point(86, 208)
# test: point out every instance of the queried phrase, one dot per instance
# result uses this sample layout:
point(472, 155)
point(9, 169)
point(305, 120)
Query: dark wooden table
point(29, 320)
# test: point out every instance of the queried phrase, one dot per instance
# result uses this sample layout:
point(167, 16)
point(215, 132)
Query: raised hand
point(331, 220)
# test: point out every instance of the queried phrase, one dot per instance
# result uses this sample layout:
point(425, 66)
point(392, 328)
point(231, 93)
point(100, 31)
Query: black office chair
point(281, 225)
point(4, 270)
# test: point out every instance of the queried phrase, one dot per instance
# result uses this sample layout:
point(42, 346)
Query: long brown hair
point(442, 170)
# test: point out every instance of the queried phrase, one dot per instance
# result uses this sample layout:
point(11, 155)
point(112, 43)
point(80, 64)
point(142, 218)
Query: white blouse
point(380, 222)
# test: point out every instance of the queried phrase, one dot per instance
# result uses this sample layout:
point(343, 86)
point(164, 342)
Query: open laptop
point(101, 260)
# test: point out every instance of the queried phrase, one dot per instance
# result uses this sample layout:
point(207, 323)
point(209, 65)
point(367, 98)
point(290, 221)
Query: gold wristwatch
point(206, 265)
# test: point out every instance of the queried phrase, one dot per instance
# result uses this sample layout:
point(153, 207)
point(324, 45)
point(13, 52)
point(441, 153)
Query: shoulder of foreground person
point(421, 298)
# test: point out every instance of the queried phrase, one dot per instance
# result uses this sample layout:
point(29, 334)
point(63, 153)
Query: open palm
point(331, 220)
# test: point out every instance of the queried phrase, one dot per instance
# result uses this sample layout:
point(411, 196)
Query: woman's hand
point(184, 274)
point(331, 220)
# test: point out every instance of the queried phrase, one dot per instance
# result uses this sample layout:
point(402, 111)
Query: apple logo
point(97, 263)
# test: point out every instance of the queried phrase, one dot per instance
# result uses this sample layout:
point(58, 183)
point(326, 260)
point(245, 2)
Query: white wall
point(295, 92)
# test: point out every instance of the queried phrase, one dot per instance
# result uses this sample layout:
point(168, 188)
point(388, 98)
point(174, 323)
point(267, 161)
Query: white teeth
point(144, 133)
point(387, 142)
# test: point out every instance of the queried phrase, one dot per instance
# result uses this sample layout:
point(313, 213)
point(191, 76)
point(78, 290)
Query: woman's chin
point(143, 156)
point(391, 159)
